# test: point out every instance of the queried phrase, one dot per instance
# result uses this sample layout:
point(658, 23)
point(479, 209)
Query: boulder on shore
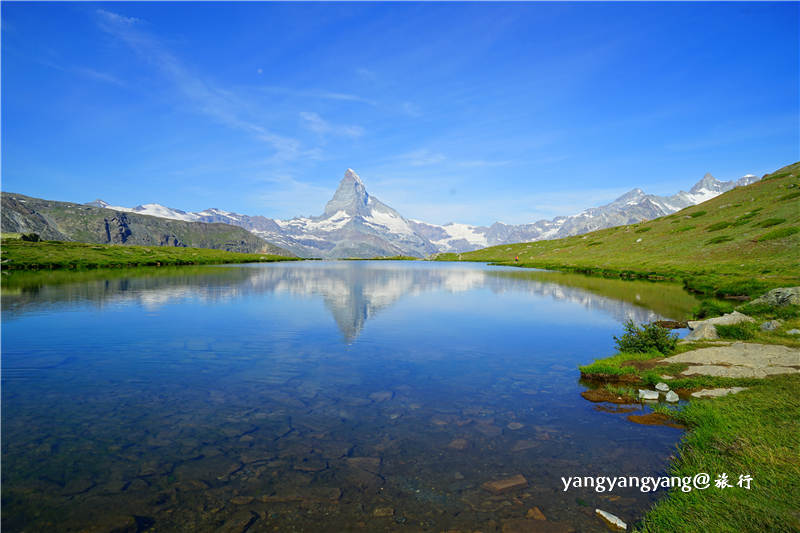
point(780, 297)
point(725, 320)
point(703, 331)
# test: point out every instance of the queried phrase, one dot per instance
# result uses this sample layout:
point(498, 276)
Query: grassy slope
point(20, 255)
point(755, 432)
point(749, 233)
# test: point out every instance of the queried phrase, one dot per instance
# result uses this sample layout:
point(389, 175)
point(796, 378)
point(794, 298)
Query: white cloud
point(317, 124)
point(422, 157)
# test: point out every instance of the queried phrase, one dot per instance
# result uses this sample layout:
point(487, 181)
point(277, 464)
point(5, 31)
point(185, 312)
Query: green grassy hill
point(17, 254)
point(739, 243)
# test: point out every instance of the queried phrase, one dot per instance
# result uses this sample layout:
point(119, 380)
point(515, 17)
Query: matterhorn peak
point(350, 174)
point(351, 196)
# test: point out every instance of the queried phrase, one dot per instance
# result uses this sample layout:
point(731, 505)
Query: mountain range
point(357, 224)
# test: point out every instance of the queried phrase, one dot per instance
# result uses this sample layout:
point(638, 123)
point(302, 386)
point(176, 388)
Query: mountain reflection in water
point(353, 291)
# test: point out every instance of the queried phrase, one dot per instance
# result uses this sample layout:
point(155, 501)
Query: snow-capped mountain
point(632, 207)
point(356, 224)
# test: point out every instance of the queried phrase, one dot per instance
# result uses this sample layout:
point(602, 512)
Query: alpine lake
point(318, 396)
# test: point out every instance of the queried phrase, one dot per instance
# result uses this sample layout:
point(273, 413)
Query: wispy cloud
point(100, 76)
point(411, 109)
point(317, 124)
point(366, 74)
point(421, 157)
point(84, 71)
point(318, 94)
point(482, 163)
point(220, 104)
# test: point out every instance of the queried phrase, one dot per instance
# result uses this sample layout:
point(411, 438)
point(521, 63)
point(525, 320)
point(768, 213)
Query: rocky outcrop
point(706, 329)
point(739, 360)
point(65, 221)
point(780, 297)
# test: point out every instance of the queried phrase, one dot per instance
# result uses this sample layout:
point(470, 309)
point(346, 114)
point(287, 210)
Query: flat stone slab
point(716, 393)
point(740, 360)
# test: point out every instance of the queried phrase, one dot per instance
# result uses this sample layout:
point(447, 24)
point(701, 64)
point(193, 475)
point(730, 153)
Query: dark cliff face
point(117, 230)
point(83, 223)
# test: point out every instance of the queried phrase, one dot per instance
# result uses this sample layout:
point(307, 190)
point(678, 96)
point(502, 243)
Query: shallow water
point(315, 396)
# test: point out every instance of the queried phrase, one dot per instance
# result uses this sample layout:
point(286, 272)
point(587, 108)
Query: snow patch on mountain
point(356, 224)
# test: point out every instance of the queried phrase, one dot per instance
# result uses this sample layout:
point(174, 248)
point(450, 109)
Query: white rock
point(794, 332)
point(724, 320)
point(611, 520)
point(672, 397)
point(663, 387)
point(648, 394)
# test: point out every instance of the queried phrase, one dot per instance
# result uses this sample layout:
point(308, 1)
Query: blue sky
point(449, 112)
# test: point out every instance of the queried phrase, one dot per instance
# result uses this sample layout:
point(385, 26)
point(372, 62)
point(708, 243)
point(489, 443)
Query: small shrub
point(711, 308)
point(741, 332)
point(30, 237)
point(790, 196)
point(778, 234)
point(697, 214)
point(721, 238)
point(718, 226)
point(744, 219)
point(646, 338)
point(685, 228)
point(771, 222)
point(642, 230)
point(594, 243)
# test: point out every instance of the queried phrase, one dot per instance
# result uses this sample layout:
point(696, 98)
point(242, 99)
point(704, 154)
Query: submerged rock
point(504, 485)
point(535, 513)
point(612, 521)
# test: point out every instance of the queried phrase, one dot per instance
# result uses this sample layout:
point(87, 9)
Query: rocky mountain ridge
point(66, 221)
point(356, 224)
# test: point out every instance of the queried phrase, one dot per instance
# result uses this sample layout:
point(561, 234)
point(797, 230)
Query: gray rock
point(740, 360)
point(648, 394)
point(663, 387)
point(716, 393)
point(794, 332)
point(702, 331)
point(664, 376)
point(780, 297)
point(771, 325)
point(672, 397)
point(725, 320)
